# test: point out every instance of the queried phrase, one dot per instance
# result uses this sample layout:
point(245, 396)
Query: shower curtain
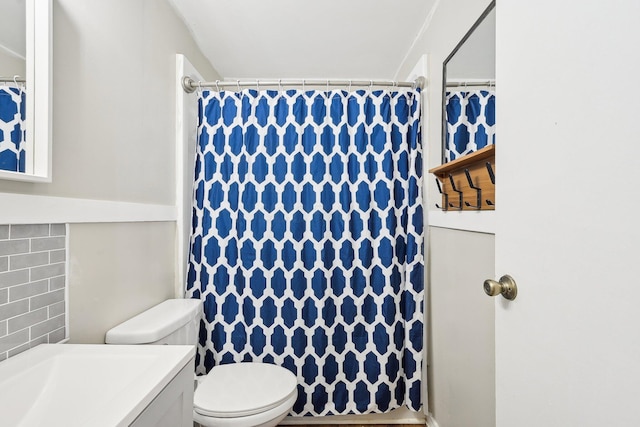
point(307, 242)
point(471, 119)
point(12, 152)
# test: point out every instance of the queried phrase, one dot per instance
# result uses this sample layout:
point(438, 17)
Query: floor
point(355, 425)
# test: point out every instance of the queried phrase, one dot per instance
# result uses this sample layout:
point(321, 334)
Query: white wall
point(476, 58)
point(450, 22)
point(114, 79)
point(462, 339)
point(449, 396)
point(11, 65)
point(114, 100)
point(115, 272)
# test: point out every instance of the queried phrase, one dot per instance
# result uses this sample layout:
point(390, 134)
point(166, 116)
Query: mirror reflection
point(469, 95)
point(12, 85)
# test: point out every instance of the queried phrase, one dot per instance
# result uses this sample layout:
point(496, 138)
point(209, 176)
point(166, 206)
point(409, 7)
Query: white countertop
point(70, 385)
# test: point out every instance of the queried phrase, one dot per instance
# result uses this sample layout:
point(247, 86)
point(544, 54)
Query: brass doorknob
point(506, 286)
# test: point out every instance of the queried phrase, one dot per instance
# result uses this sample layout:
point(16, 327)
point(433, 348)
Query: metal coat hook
point(446, 197)
point(453, 187)
point(492, 177)
point(478, 204)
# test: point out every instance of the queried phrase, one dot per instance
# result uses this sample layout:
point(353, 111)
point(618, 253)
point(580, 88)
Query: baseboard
point(401, 416)
point(431, 422)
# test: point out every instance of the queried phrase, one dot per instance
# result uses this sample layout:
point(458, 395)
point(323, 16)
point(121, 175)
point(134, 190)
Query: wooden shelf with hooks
point(475, 165)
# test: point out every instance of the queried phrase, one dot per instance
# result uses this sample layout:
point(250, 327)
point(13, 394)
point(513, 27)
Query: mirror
point(25, 90)
point(468, 110)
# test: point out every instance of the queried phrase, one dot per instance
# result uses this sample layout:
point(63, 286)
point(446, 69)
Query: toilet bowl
point(245, 394)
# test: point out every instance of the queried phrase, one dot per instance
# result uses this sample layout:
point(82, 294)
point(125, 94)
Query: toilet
point(243, 394)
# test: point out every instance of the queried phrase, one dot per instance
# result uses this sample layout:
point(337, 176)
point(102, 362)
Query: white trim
point(67, 256)
point(40, 89)
point(186, 117)
point(431, 422)
point(481, 222)
point(423, 29)
point(402, 415)
point(28, 209)
point(38, 143)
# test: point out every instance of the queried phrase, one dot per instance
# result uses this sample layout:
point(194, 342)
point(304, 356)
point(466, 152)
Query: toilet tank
point(173, 321)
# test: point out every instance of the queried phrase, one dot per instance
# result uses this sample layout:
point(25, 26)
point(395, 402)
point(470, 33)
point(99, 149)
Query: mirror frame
point(443, 124)
point(38, 110)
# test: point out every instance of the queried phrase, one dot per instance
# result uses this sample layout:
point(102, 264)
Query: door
point(568, 348)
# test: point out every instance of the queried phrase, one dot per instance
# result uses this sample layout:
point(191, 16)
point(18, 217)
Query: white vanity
point(98, 385)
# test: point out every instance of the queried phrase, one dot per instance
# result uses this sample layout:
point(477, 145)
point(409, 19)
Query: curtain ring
point(18, 86)
point(200, 87)
point(350, 85)
point(303, 89)
point(238, 85)
point(258, 85)
point(280, 85)
point(327, 88)
point(371, 85)
point(217, 87)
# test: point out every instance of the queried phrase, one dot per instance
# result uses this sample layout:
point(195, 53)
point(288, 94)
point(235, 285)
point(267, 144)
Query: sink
point(86, 385)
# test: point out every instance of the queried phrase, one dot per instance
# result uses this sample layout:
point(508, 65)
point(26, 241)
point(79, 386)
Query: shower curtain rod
point(11, 80)
point(471, 83)
point(190, 85)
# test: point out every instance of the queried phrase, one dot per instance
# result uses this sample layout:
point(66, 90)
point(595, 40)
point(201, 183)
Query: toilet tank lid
point(155, 323)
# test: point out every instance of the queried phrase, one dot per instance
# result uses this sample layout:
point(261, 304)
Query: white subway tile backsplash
point(27, 320)
point(57, 335)
point(47, 243)
point(32, 286)
point(18, 350)
point(56, 309)
point(28, 290)
point(12, 247)
point(47, 271)
point(57, 256)
point(56, 283)
point(12, 278)
point(49, 298)
point(17, 262)
point(58, 230)
point(14, 340)
point(4, 232)
point(29, 230)
point(48, 326)
point(13, 309)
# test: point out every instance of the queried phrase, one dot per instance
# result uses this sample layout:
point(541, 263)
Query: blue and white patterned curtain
point(471, 119)
point(12, 128)
point(307, 242)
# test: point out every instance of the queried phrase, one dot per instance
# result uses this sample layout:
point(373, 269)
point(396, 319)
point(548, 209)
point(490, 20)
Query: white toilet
point(232, 395)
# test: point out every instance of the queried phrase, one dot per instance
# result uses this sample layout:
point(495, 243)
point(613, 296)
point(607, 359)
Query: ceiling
point(351, 39)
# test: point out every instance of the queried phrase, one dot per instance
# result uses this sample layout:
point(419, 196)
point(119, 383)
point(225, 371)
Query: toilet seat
point(243, 389)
